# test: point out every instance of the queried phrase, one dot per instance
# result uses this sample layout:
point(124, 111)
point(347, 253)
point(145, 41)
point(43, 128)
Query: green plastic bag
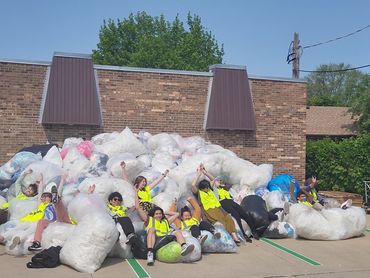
point(170, 253)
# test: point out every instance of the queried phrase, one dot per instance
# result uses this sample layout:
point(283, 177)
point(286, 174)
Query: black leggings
point(203, 226)
point(126, 225)
point(236, 211)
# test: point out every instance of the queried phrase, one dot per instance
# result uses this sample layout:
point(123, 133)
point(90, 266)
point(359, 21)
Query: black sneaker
point(36, 246)
point(54, 193)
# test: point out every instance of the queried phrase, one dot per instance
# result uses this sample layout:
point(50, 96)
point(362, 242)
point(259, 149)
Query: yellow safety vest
point(208, 199)
point(314, 194)
point(19, 197)
point(186, 224)
point(223, 193)
point(118, 210)
point(37, 214)
point(144, 195)
point(305, 203)
point(161, 227)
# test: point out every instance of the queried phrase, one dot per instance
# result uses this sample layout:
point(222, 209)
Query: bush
point(340, 166)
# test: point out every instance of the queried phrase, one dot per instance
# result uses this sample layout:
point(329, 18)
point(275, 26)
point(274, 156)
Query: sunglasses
point(117, 199)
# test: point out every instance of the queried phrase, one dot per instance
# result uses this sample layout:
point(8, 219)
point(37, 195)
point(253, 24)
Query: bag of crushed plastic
point(196, 254)
point(170, 253)
point(98, 165)
point(19, 208)
point(255, 208)
point(23, 233)
point(76, 164)
point(275, 199)
point(47, 169)
point(56, 234)
point(132, 169)
point(163, 161)
point(223, 245)
point(327, 224)
point(53, 156)
point(95, 234)
point(121, 249)
point(126, 142)
point(106, 185)
point(280, 230)
point(164, 200)
point(282, 183)
point(18, 163)
point(191, 145)
point(245, 173)
point(162, 140)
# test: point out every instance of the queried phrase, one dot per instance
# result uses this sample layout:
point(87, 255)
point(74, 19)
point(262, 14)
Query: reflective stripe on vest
point(117, 210)
point(305, 203)
point(161, 227)
point(144, 194)
point(37, 214)
point(186, 224)
point(223, 194)
point(314, 194)
point(21, 197)
point(208, 199)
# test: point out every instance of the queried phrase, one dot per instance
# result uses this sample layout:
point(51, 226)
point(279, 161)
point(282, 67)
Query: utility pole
point(295, 64)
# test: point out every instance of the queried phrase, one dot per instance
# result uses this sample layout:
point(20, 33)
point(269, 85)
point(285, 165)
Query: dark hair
point(47, 194)
point(34, 188)
point(185, 209)
point(138, 180)
point(300, 193)
point(204, 184)
point(153, 210)
point(115, 195)
point(309, 181)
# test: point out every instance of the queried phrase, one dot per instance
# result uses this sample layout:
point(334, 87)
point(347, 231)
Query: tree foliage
point(152, 42)
point(343, 88)
point(341, 166)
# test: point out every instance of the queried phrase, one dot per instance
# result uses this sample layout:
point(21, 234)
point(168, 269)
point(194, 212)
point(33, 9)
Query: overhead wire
point(338, 38)
point(341, 70)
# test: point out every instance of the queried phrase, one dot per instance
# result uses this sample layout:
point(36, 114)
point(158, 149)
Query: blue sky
point(255, 34)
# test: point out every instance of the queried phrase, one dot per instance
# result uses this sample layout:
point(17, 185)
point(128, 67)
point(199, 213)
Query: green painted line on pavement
point(368, 230)
point(291, 252)
point(137, 268)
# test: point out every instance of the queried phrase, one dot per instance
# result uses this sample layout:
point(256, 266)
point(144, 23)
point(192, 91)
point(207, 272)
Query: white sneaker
point(16, 241)
point(187, 249)
point(347, 204)
point(150, 258)
point(202, 239)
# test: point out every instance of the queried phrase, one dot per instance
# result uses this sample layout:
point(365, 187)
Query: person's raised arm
point(196, 213)
point(61, 184)
point(40, 187)
point(194, 187)
point(140, 211)
point(172, 216)
point(172, 209)
point(124, 174)
point(156, 181)
point(204, 171)
point(18, 183)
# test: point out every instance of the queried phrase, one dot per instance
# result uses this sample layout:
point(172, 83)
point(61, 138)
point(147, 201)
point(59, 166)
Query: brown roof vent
point(72, 96)
point(230, 104)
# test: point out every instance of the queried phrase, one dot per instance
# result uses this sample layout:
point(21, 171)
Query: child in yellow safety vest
point(193, 222)
point(211, 205)
point(227, 202)
point(118, 213)
point(158, 226)
point(60, 214)
point(143, 188)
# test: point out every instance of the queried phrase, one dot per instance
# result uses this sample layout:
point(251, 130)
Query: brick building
point(159, 101)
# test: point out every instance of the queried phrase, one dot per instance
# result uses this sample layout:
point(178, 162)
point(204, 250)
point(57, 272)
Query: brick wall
point(160, 102)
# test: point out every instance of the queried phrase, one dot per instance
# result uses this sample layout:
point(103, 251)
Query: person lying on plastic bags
point(158, 226)
point(60, 214)
point(211, 205)
point(227, 202)
point(260, 218)
point(302, 199)
point(45, 210)
point(143, 189)
point(193, 222)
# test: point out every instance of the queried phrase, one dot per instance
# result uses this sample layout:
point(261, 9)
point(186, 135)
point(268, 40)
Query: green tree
point(335, 87)
point(152, 42)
